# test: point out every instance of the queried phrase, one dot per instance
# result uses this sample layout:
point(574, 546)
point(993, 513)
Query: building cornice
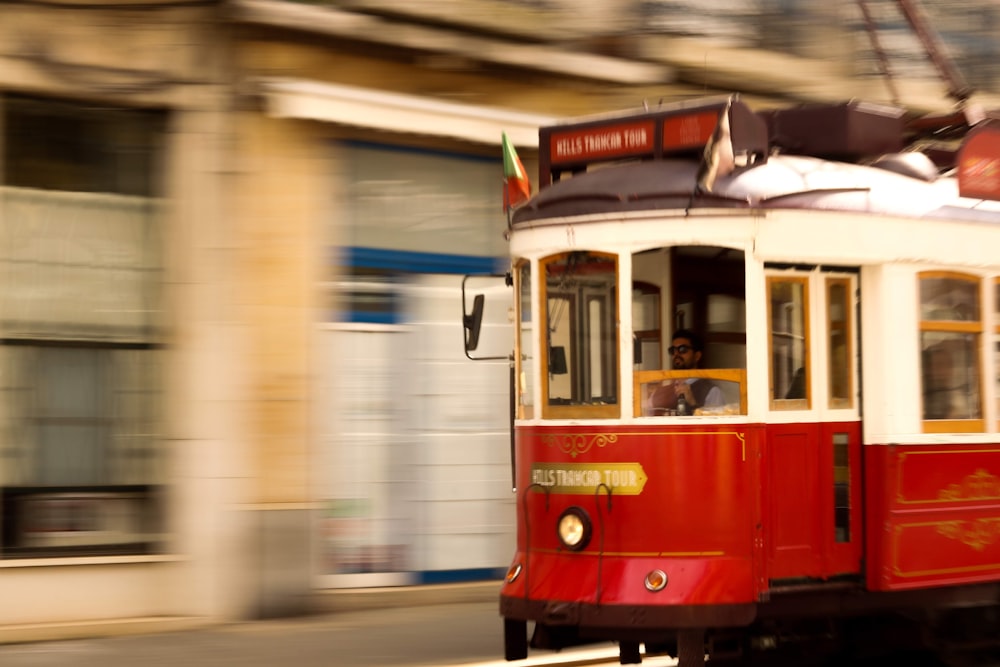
point(548, 58)
point(303, 99)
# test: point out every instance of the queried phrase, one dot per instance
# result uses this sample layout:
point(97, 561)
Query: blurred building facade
point(233, 235)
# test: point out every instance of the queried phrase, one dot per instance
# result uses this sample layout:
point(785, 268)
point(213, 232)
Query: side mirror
point(475, 311)
point(473, 322)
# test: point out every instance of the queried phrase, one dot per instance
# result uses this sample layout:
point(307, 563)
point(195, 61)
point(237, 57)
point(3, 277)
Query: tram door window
point(841, 487)
point(840, 350)
point(840, 387)
point(787, 307)
point(950, 332)
point(580, 338)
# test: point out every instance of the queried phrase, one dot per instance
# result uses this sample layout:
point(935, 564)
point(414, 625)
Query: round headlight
point(574, 528)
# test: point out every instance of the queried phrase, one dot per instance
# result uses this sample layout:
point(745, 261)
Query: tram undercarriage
point(826, 624)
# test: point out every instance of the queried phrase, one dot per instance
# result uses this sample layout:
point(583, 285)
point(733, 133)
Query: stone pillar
point(277, 200)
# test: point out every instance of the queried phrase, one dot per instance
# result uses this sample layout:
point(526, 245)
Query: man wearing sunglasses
point(685, 354)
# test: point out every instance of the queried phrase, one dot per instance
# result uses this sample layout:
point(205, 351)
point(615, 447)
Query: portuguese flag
point(516, 186)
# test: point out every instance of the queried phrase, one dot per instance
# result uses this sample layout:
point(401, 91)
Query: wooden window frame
point(835, 403)
point(785, 404)
point(640, 378)
point(549, 411)
point(974, 327)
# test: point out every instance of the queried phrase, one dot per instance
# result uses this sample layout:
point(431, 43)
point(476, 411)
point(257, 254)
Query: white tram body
point(887, 226)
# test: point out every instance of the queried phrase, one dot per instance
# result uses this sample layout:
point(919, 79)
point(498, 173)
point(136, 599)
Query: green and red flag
point(516, 185)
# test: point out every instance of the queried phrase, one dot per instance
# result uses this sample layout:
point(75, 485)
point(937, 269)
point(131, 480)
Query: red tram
point(843, 271)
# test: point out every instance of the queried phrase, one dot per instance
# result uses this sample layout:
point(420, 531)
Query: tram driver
point(684, 395)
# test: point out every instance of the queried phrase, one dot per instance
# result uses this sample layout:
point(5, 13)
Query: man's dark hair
point(691, 336)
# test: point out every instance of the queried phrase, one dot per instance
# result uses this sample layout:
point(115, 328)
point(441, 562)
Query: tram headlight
point(574, 528)
point(513, 573)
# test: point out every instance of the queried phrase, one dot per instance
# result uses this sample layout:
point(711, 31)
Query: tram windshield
point(688, 334)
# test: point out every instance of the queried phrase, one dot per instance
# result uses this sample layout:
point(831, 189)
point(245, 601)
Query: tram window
point(525, 346)
point(838, 292)
point(580, 340)
point(708, 295)
point(950, 331)
point(700, 288)
point(789, 342)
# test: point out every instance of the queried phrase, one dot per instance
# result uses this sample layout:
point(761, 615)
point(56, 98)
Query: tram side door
point(812, 453)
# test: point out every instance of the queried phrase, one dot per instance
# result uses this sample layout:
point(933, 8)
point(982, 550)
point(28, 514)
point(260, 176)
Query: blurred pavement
point(408, 626)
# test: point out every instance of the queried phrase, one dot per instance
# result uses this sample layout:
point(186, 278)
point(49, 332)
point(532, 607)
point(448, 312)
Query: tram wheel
point(515, 639)
point(690, 648)
point(628, 653)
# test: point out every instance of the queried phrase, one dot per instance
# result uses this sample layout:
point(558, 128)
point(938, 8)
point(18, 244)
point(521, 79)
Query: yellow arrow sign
point(625, 479)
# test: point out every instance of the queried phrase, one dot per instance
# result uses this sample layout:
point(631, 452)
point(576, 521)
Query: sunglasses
point(679, 349)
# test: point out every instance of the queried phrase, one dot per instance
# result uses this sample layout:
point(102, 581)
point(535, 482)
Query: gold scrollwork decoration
point(575, 444)
point(977, 534)
point(980, 485)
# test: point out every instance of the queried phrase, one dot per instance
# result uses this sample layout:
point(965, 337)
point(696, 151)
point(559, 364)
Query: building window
point(419, 201)
point(71, 147)
point(82, 461)
point(950, 332)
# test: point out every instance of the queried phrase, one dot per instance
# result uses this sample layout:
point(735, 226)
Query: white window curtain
point(420, 201)
point(79, 266)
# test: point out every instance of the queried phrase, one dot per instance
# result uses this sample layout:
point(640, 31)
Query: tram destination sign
point(652, 134)
point(602, 142)
point(624, 479)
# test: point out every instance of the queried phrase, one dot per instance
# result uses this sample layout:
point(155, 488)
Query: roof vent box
point(845, 131)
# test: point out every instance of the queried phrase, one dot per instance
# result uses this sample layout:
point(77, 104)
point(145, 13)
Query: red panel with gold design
point(933, 515)
point(682, 499)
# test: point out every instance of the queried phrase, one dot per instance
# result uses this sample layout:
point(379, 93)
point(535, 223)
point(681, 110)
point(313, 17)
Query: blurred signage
point(602, 142)
point(624, 479)
point(689, 130)
point(979, 163)
point(78, 519)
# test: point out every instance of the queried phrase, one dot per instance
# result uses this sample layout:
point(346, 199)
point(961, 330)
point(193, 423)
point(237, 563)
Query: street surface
point(460, 634)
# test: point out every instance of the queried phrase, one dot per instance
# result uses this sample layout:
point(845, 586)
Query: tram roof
point(783, 182)
point(849, 157)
